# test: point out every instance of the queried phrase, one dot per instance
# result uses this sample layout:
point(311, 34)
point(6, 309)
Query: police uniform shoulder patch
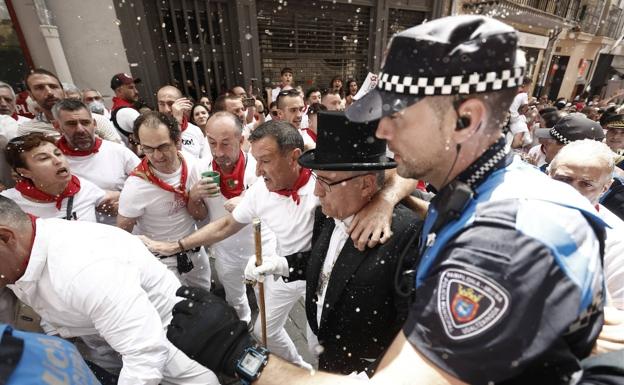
point(469, 303)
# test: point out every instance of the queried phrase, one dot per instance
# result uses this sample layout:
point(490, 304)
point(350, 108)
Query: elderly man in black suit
point(351, 303)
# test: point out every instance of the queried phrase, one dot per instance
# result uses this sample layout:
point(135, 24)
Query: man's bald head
point(169, 90)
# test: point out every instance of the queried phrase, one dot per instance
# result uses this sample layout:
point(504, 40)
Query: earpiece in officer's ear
point(462, 122)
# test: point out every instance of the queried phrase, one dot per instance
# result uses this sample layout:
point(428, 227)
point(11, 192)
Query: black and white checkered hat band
point(555, 134)
point(451, 85)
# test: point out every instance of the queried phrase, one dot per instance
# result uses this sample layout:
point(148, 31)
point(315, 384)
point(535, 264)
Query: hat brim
point(377, 104)
point(543, 133)
point(308, 160)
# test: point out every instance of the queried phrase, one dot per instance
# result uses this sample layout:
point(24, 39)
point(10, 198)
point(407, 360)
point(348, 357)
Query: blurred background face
point(7, 102)
point(315, 97)
point(287, 78)
point(353, 88)
point(200, 115)
point(78, 128)
point(129, 92)
point(292, 110)
point(235, 106)
point(91, 96)
point(615, 139)
point(166, 98)
point(332, 102)
point(206, 103)
point(45, 90)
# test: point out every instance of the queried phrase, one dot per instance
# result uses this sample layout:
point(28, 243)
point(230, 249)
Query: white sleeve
point(131, 204)
point(130, 160)
point(123, 315)
point(245, 211)
point(93, 190)
point(126, 117)
point(614, 266)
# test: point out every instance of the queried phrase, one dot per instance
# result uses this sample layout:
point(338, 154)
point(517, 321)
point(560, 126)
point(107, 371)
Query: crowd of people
point(446, 227)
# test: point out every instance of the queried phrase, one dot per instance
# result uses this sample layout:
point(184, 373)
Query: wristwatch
point(251, 363)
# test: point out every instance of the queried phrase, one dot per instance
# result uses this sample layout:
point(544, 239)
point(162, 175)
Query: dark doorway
point(558, 66)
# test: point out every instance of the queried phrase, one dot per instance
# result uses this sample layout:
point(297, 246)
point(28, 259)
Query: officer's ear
point(471, 114)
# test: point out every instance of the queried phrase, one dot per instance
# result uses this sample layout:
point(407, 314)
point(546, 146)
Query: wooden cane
point(261, 304)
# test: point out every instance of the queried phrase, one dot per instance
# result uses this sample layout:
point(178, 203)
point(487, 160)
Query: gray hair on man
point(8, 86)
point(586, 151)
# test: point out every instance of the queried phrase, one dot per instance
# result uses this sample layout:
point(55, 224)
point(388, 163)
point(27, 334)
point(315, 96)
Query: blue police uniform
point(511, 289)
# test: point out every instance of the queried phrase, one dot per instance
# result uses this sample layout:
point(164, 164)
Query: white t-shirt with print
point(193, 140)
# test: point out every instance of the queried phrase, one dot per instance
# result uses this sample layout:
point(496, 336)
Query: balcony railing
point(565, 9)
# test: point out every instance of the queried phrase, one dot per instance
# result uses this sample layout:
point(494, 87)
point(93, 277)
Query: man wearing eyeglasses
point(154, 197)
point(348, 293)
point(283, 199)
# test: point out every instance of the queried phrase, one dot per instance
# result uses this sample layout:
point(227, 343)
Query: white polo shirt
point(242, 244)
point(160, 215)
point(83, 209)
point(193, 140)
point(291, 223)
point(86, 279)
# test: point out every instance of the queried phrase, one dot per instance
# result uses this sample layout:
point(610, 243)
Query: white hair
point(587, 151)
point(6, 85)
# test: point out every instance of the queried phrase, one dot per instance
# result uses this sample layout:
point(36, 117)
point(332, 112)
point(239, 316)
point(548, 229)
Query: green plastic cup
point(214, 176)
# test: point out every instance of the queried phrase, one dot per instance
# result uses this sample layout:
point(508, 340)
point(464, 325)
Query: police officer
point(508, 288)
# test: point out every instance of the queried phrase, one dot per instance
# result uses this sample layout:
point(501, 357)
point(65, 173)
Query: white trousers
point(280, 297)
point(231, 272)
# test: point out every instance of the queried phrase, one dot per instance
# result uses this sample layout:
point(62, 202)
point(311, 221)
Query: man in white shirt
point(154, 197)
point(88, 279)
point(209, 202)
point(518, 128)
point(46, 186)
point(7, 103)
point(105, 163)
point(290, 108)
point(172, 103)
point(283, 199)
point(45, 88)
point(587, 165)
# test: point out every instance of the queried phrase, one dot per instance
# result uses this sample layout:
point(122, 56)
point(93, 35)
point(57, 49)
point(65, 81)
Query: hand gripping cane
point(261, 304)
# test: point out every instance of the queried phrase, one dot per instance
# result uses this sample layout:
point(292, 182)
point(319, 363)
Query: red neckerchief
point(232, 185)
point(597, 208)
point(14, 116)
point(33, 223)
point(421, 185)
point(67, 150)
point(184, 124)
point(304, 176)
point(27, 188)
point(311, 133)
point(144, 172)
point(119, 102)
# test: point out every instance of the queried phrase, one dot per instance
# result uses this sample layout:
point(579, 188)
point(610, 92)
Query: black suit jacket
point(362, 312)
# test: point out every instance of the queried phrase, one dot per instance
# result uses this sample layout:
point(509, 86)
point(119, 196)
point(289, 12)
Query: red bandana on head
point(304, 176)
point(311, 133)
point(144, 172)
point(28, 189)
point(232, 185)
point(119, 102)
point(68, 150)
